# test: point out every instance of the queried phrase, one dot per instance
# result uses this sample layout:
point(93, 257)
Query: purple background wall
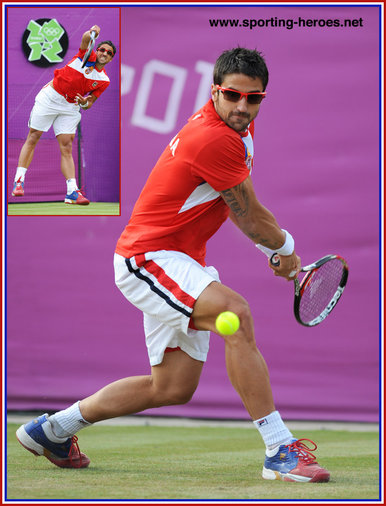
point(100, 125)
point(70, 331)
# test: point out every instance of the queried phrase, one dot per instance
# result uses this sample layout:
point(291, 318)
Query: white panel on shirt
point(248, 141)
point(94, 74)
point(204, 192)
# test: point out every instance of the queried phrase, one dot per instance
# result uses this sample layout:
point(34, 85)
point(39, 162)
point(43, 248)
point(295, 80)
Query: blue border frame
point(380, 7)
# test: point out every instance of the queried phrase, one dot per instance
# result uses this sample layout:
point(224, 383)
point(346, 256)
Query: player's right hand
point(96, 29)
point(289, 267)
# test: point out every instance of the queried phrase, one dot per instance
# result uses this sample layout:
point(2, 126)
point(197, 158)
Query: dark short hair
point(109, 43)
point(240, 61)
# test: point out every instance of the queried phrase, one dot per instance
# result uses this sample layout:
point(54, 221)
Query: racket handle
point(275, 261)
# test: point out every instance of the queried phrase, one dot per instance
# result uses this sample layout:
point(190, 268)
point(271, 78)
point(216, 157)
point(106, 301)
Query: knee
point(246, 330)
point(66, 149)
point(33, 138)
point(241, 307)
point(175, 395)
point(66, 146)
point(181, 396)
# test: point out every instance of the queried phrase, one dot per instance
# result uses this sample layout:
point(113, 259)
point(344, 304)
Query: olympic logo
point(52, 32)
point(45, 42)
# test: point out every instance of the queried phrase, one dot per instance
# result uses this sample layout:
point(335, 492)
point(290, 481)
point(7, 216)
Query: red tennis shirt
point(180, 207)
point(73, 79)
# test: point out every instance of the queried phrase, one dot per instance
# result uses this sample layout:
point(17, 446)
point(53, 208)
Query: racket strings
point(319, 289)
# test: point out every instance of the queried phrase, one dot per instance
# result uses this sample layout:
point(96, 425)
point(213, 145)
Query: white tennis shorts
point(165, 285)
point(52, 109)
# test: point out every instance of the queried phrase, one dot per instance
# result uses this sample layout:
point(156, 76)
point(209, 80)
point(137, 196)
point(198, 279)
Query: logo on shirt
point(44, 42)
point(94, 84)
point(248, 160)
point(89, 70)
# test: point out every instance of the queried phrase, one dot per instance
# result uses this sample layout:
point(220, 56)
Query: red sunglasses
point(253, 98)
point(103, 50)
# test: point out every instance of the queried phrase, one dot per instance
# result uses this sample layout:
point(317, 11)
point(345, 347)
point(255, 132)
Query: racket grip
point(275, 261)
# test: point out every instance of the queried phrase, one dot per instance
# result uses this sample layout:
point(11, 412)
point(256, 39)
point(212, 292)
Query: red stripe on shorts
point(169, 350)
point(168, 283)
point(140, 260)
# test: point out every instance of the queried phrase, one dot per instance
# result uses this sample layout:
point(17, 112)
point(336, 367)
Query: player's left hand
point(80, 100)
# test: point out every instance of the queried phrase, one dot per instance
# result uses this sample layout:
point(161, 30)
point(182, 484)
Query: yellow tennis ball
point(227, 323)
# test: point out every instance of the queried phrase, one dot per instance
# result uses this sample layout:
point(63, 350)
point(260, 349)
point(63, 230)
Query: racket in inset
point(318, 292)
point(90, 47)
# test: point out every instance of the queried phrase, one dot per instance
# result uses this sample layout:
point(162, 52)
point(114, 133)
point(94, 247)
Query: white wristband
point(286, 250)
point(288, 246)
point(84, 106)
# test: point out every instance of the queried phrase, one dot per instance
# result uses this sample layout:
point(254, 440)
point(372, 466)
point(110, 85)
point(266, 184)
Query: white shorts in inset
point(165, 286)
point(52, 109)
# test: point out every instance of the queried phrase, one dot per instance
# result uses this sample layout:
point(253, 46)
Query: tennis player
point(58, 105)
point(202, 177)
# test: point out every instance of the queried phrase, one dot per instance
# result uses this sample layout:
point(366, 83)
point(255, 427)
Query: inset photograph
point(62, 111)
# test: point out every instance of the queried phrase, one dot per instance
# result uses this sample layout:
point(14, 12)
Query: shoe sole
point(321, 476)
point(68, 201)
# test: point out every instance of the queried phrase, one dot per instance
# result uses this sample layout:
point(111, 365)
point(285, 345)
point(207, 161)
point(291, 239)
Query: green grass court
point(62, 209)
point(150, 462)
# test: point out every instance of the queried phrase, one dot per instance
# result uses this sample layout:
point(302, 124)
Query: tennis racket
point(90, 47)
point(318, 292)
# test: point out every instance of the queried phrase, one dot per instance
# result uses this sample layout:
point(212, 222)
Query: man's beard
point(243, 116)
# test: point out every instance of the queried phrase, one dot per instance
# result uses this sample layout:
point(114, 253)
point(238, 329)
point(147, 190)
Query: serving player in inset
point(58, 105)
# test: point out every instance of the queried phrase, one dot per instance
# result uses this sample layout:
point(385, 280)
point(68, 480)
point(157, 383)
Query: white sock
point(48, 431)
point(71, 186)
point(67, 422)
point(20, 174)
point(273, 430)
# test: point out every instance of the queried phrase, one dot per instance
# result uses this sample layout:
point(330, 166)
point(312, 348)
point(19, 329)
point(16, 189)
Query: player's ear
point(214, 92)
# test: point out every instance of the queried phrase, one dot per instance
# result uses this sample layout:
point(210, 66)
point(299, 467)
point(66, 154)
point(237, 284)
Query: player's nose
point(242, 105)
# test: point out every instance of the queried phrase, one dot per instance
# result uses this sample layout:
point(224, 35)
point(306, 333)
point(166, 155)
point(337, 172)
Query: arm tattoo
point(244, 211)
point(237, 199)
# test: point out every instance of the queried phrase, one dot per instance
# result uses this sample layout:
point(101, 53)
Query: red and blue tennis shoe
point(294, 462)
point(34, 436)
point(76, 197)
point(18, 189)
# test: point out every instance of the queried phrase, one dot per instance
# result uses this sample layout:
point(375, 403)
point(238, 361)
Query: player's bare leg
point(287, 458)
point(25, 158)
point(246, 367)
point(174, 381)
point(28, 149)
point(67, 165)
